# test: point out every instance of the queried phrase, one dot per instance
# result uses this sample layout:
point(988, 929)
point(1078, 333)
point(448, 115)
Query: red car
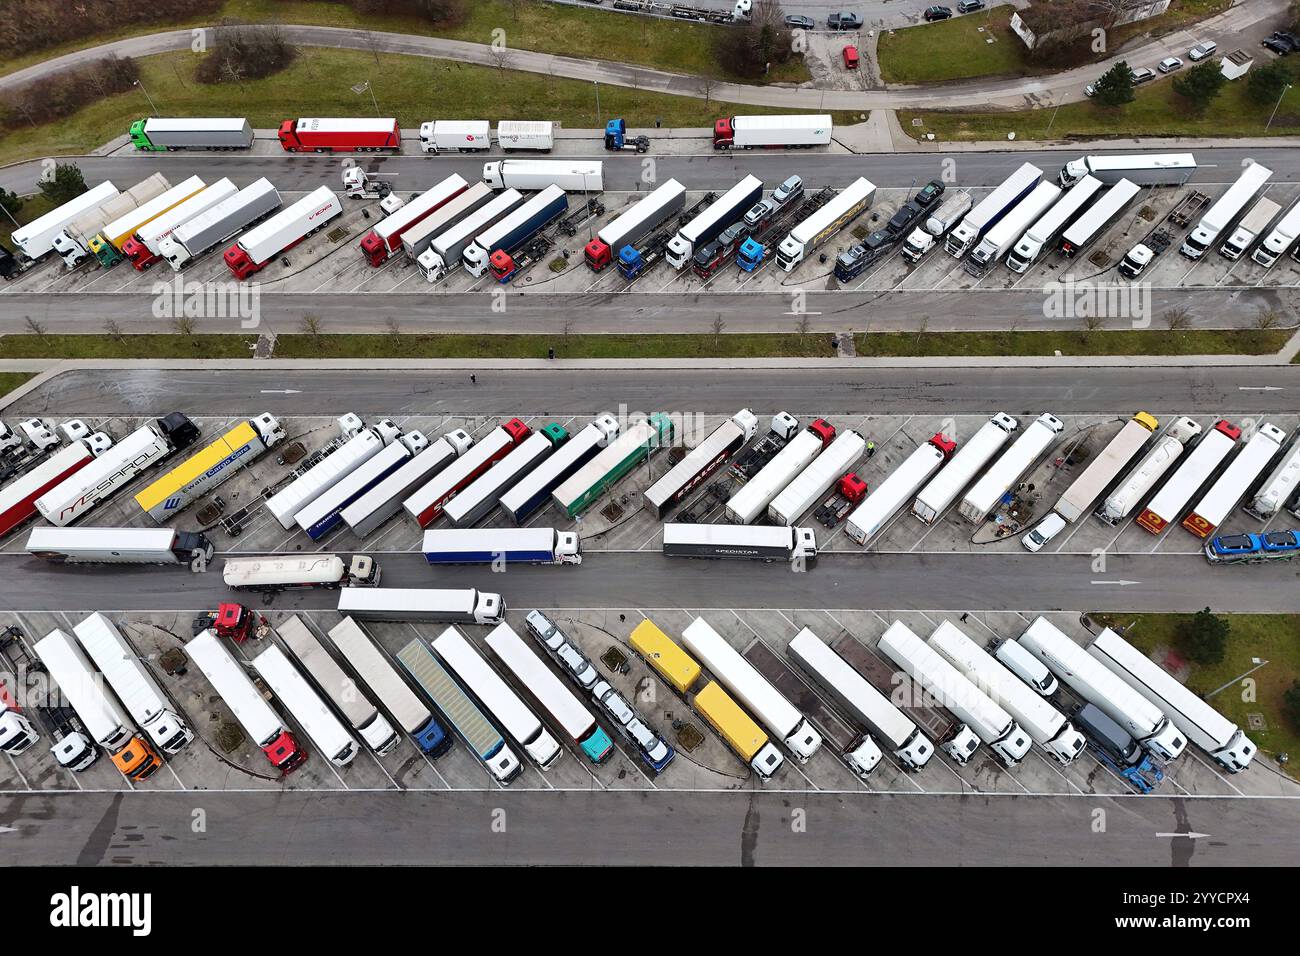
point(850, 57)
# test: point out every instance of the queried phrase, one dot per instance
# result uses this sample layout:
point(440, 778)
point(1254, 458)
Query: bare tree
point(718, 326)
point(1267, 319)
point(706, 83)
point(1177, 319)
point(501, 57)
point(803, 326)
point(567, 327)
point(184, 325)
point(113, 330)
point(34, 327)
point(311, 325)
point(1092, 323)
point(921, 328)
point(394, 329)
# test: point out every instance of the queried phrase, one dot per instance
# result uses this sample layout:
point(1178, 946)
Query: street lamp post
point(146, 96)
point(599, 124)
point(1276, 107)
point(367, 88)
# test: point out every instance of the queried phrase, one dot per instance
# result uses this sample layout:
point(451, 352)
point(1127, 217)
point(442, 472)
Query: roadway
point(656, 828)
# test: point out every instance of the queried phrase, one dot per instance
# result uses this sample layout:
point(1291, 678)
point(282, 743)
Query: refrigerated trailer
point(536, 135)
point(1226, 209)
point(700, 462)
point(1098, 217)
point(325, 512)
point(773, 132)
point(811, 484)
point(386, 238)
point(253, 250)
point(752, 689)
point(446, 249)
point(1278, 488)
point(1013, 464)
point(1092, 681)
point(1281, 239)
point(1105, 467)
point(426, 503)
point(533, 490)
point(379, 674)
point(72, 242)
point(1195, 470)
point(341, 689)
point(1145, 169)
point(1242, 473)
point(886, 725)
point(827, 221)
point(989, 211)
point(361, 445)
point(729, 208)
point(417, 239)
point(145, 247)
point(508, 235)
point(633, 446)
point(501, 545)
point(1204, 726)
point(368, 512)
point(757, 493)
point(160, 134)
point(204, 471)
point(359, 135)
point(942, 490)
point(1250, 228)
point(284, 572)
point(221, 222)
point(465, 606)
point(752, 542)
point(455, 136)
point(634, 224)
point(232, 683)
point(1143, 476)
point(571, 175)
point(1000, 238)
point(108, 244)
point(37, 237)
point(121, 546)
point(318, 722)
point(1049, 226)
point(880, 506)
point(18, 498)
point(557, 700)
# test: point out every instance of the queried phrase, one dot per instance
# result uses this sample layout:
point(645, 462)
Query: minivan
point(1043, 532)
point(1027, 667)
point(1202, 50)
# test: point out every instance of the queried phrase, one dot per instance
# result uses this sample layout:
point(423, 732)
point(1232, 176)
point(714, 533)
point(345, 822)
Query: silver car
point(582, 670)
point(1202, 50)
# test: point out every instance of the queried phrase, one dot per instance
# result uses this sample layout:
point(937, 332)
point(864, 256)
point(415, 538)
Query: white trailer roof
point(141, 215)
point(532, 672)
point(644, 210)
point(1251, 180)
point(1101, 212)
point(494, 540)
point(736, 535)
point(848, 197)
point(329, 676)
point(720, 207)
point(346, 125)
point(250, 195)
point(775, 122)
point(95, 704)
point(184, 124)
point(429, 199)
point(1249, 464)
point(1050, 222)
point(961, 469)
point(56, 219)
point(333, 739)
point(299, 211)
point(739, 676)
point(379, 674)
point(486, 684)
point(1142, 161)
point(884, 501)
point(125, 540)
point(412, 600)
point(121, 667)
point(463, 232)
point(230, 680)
point(1014, 185)
point(186, 210)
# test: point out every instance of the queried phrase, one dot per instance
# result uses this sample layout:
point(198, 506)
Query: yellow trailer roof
point(725, 716)
point(194, 467)
point(664, 655)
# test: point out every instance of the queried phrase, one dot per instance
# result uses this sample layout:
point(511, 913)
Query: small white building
point(1236, 64)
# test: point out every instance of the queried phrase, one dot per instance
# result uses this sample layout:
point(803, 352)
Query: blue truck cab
point(750, 255)
point(630, 262)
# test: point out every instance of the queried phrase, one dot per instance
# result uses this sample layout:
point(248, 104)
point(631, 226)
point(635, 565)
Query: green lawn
point(11, 380)
point(953, 49)
point(1271, 637)
point(1121, 342)
point(528, 24)
point(566, 346)
point(27, 346)
point(411, 88)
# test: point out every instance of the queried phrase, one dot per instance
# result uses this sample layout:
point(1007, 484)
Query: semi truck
point(1000, 238)
point(1225, 209)
point(752, 689)
point(937, 225)
point(121, 546)
point(502, 546)
point(220, 223)
point(386, 238)
point(612, 463)
point(1048, 727)
point(942, 490)
point(1092, 681)
point(816, 478)
point(464, 606)
point(751, 542)
point(252, 251)
point(426, 503)
point(478, 733)
point(507, 236)
point(325, 512)
point(446, 250)
point(342, 691)
point(990, 210)
point(1143, 476)
point(634, 224)
point(417, 239)
point(1277, 489)
point(571, 175)
point(479, 499)
point(378, 673)
point(1250, 228)
point(72, 748)
point(1195, 470)
point(533, 135)
point(145, 247)
point(724, 212)
point(455, 136)
point(496, 695)
point(115, 467)
point(1281, 239)
point(1105, 467)
point(352, 135)
point(738, 729)
point(794, 456)
point(1010, 467)
point(368, 512)
point(1117, 749)
point(1097, 218)
point(1044, 233)
point(1204, 726)
point(108, 243)
point(533, 490)
point(1231, 486)
point(826, 222)
point(157, 134)
point(640, 256)
point(332, 739)
point(286, 572)
point(100, 711)
point(1145, 169)
point(231, 681)
point(557, 700)
point(72, 242)
point(980, 713)
point(700, 462)
point(886, 725)
point(902, 484)
point(18, 498)
point(36, 239)
point(360, 444)
point(773, 132)
point(206, 470)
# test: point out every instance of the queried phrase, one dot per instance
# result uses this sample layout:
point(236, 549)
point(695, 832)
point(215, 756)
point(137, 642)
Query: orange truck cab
point(137, 760)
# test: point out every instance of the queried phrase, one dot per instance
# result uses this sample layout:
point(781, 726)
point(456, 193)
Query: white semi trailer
point(935, 498)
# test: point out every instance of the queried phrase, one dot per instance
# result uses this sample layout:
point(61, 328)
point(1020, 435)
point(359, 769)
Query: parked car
point(1202, 50)
point(1043, 532)
point(1278, 45)
point(850, 57)
point(937, 13)
point(1090, 89)
point(800, 23)
point(844, 20)
point(1169, 64)
point(929, 193)
point(792, 186)
point(1290, 39)
point(1142, 74)
point(970, 6)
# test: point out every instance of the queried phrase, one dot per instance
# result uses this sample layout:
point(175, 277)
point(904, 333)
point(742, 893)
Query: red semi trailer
point(352, 135)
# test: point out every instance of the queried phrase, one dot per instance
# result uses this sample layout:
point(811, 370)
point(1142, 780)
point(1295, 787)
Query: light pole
point(1258, 664)
point(1275, 108)
point(146, 96)
point(1053, 120)
point(599, 124)
point(366, 88)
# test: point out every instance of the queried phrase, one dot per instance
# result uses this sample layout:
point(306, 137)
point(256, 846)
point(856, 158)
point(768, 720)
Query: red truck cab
point(823, 430)
point(852, 488)
point(374, 249)
point(139, 254)
point(945, 445)
point(723, 133)
point(285, 753)
point(239, 263)
point(502, 265)
point(598, 255)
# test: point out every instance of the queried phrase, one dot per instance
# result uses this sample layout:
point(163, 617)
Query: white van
point(1043, 532)
point(1027, 667)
